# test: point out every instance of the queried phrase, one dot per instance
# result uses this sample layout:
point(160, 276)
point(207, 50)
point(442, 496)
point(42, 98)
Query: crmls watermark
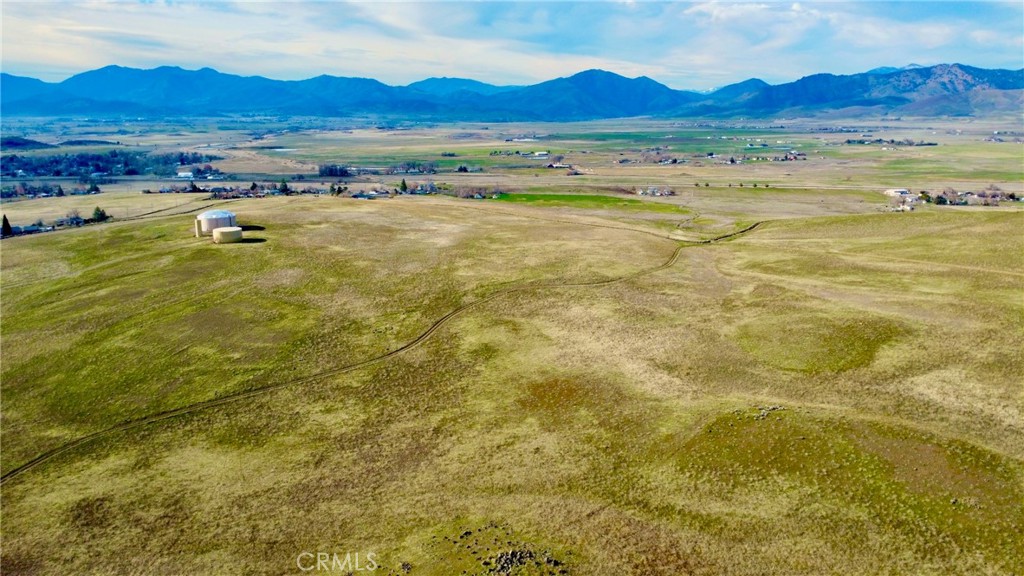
point(336, 562)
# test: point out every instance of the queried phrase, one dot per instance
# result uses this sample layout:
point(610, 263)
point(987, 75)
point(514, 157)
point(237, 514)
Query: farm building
point(212, 219)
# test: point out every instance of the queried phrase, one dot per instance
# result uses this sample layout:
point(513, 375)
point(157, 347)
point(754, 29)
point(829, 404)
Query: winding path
point(238, 396)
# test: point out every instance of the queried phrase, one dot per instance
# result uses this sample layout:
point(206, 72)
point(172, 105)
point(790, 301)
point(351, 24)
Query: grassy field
point(561, 381)
point(597, 201)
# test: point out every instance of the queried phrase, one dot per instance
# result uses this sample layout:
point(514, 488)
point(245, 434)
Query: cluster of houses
point(903, 200)
point(421, 189)
point(234, 192)
point(30, 229)
point(655, 191)
point(789, 156)
point(30, 192)
point(206, 172)
point(282, 189)
point(72, 220)
point(1006, 136)
point(414, 190)
point(532, 155)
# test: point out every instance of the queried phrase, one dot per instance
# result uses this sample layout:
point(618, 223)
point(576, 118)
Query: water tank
point(227, 234)
point(212, 219)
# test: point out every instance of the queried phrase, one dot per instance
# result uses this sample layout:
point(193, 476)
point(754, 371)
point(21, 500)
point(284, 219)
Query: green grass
point(817, 343)
point(908, 485)
point(157, 319)
point(591, 201)
point(939, 169)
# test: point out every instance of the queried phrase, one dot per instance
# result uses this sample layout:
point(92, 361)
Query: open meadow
point(568, 378)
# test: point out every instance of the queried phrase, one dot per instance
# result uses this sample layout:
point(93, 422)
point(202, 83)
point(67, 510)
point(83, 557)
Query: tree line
point(88, 167)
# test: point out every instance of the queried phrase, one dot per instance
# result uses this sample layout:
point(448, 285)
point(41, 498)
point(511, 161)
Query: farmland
point(568, 378)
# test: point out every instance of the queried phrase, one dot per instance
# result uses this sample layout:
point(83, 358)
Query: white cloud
point(724, 12)
point(685, 45)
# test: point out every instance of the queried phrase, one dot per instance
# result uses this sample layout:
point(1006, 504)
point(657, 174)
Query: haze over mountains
point(942, 90)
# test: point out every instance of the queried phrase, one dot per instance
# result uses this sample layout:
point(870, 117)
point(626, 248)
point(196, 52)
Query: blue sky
point(686, 45)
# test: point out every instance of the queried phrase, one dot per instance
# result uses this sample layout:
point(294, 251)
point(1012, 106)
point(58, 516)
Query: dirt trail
point(238, 396)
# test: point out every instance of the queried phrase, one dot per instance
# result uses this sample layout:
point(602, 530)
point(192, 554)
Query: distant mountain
point(947, 89)
point(19, 87)
point(739, 91)
point(891, 69)
point(449, 86)
point(170, 90)
point(592, 94)
point(939, 90)
point(726, 101)
point(28, 96)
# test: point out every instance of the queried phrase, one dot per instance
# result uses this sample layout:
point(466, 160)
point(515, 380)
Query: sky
point(685, 45)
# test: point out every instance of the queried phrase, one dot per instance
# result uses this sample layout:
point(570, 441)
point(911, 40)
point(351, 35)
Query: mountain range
point(942, 90)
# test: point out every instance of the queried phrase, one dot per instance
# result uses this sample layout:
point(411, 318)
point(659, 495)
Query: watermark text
point(337, 561)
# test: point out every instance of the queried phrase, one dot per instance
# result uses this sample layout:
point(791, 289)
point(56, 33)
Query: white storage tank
point(212, 219)
point(227, 235)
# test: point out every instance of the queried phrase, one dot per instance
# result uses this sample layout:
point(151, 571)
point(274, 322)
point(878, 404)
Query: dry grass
point(627, 428)
point(116, 203)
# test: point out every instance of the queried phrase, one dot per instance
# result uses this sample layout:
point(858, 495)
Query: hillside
point(939, 90)
point(592, 396)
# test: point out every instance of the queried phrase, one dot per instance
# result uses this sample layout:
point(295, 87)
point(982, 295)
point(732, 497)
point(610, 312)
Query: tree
point(335, 170)
point(99, 215)
point(93, 188)
point(60, 191)
point(403, 186)
point(283, 187)
point(254, 187)
point(6, 230)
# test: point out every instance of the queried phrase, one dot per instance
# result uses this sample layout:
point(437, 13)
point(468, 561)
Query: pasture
point(564, 380)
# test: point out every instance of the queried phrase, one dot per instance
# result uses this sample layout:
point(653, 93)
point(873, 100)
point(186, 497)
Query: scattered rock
point(506, 561)
point(764, 411)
